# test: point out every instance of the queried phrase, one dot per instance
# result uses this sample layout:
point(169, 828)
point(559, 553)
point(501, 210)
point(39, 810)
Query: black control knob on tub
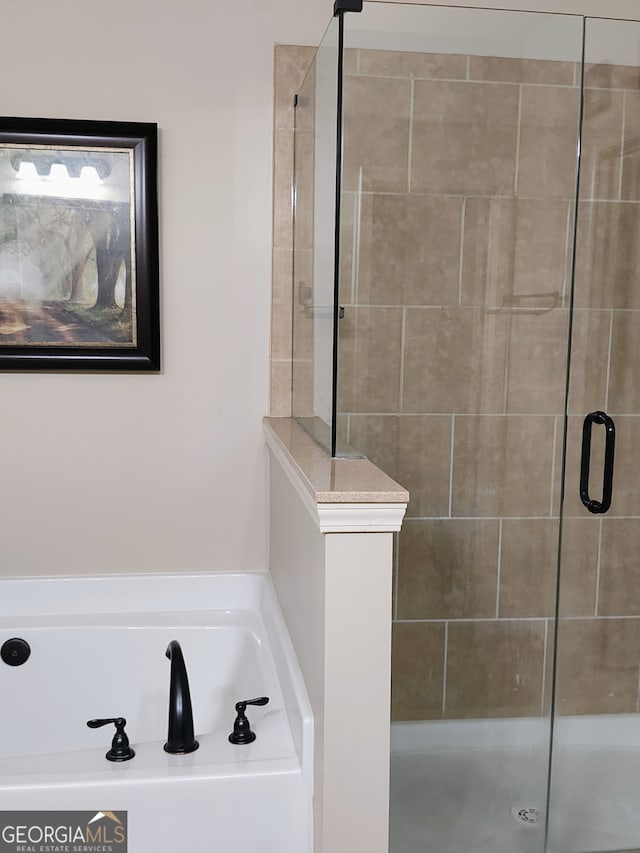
point(120, 749)
point(242, 733)
point(15, 651)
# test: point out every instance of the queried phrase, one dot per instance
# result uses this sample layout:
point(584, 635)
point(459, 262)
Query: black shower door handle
point(609, 451)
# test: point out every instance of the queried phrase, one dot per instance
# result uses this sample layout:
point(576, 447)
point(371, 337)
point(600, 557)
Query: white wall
point(102, 473)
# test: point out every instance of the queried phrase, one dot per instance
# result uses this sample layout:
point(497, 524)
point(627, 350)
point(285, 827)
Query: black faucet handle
point(120, 749)
point(242, 733)
point(241, 706)
point(95, 724)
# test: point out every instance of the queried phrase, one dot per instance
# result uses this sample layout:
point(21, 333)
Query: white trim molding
point(360, 518)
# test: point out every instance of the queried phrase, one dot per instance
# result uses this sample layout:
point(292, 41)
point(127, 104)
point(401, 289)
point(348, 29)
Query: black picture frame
point(79, 272)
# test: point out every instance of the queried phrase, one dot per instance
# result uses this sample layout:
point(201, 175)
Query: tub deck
point(90, 657)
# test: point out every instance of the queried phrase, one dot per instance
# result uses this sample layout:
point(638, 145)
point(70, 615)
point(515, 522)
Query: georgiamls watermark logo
point(63, 832)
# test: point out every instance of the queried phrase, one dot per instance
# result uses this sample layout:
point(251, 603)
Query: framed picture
point(78, 245)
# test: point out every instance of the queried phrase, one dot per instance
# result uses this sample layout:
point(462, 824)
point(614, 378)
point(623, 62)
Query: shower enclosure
point(467, 315)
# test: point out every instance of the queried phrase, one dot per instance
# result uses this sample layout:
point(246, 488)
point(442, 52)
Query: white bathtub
point(98, 650)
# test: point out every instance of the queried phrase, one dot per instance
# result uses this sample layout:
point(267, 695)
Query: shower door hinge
point(305, 298)
point(347, 6)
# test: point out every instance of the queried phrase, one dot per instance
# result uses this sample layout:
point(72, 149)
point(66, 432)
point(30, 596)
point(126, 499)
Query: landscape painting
point(78, 249)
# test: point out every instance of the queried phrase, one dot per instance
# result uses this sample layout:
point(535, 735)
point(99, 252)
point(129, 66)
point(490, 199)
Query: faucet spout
point(180, 739)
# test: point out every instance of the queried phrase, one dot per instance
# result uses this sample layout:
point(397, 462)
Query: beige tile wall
point(455, 276)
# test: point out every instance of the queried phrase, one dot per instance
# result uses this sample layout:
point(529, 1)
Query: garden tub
point(97, 650)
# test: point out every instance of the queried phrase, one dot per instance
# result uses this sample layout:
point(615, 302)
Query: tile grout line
point(355, 247)
point(412, 96)
point(444, 669)
point(554, 453)
point(396, 557)
point(597, 200)
point(354, 244)
point(544, 665)
point(415, 518)
point(506, 312)
point(596, 603)
point(533, 84)
point(463, 213)
point(498, 577)
point(491, 620)
point(485, 197)
point(517, 158)
point(567, 256)
point(453, 435)
point(403, 336)
point(507, 365)
point(622, 131)
point(473, 414)
point(608, 374)
point(638, 692)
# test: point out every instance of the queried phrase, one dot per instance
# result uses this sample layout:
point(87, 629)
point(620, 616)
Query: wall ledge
point(360, 518)
point(341, 495)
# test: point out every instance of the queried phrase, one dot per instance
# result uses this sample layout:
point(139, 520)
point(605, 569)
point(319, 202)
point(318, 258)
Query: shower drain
point(529, 815)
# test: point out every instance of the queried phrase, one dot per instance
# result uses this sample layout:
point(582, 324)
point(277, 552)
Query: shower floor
point(465, 797)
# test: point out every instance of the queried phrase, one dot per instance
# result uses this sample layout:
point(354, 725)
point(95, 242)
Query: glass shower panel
point(459, 176)
point(596, 745)
point(316, 117)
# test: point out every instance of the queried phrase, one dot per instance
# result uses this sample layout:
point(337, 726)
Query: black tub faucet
point(180, 739)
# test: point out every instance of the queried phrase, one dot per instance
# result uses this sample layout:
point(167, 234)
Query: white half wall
point(333, 577)
point(297, 567)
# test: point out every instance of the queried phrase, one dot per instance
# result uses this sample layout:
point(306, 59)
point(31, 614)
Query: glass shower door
point(595, 781)
point(457, 211)
point(314, 197)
